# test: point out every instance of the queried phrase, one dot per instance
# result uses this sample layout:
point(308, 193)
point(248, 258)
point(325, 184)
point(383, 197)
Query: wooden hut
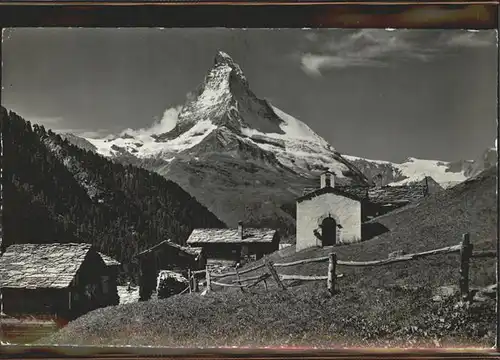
point(230, 246)
point(54, 280)
point(166, 255)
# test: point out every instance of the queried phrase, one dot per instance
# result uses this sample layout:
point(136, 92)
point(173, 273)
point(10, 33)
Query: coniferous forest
point(56, 192)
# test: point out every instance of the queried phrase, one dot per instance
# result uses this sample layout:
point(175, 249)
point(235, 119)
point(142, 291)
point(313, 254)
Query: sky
point(380, 94)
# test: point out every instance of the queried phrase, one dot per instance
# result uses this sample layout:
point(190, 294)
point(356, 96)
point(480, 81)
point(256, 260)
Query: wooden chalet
point(166, 255)
point(230, 246)
point(60, 281)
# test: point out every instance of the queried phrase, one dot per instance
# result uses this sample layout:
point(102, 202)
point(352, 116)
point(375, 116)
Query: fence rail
point(464, 248)
point(406, 257)
point(483, 254)
point(234, 273)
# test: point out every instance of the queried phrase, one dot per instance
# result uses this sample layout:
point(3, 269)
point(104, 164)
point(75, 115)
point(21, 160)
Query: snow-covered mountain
point(242, 157)
point(224, 110)
point(411, 170)
point(447, 174)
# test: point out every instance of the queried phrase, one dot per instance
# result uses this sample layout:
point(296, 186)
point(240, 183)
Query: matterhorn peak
point(223, 58)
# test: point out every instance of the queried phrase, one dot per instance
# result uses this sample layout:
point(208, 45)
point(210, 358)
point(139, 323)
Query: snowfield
point(144, 145)
point(417, 169)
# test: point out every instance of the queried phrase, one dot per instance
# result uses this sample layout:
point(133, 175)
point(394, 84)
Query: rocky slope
point(486, 160)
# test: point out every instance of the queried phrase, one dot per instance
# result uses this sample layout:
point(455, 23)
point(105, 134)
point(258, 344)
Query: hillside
point(403, 304)
point(57, 192)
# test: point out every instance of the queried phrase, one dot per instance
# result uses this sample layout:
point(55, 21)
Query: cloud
point(323, 50)
point(163, 125)
point(313, 64)
point(469, 38)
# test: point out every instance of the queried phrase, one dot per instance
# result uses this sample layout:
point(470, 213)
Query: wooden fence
point(464, 248)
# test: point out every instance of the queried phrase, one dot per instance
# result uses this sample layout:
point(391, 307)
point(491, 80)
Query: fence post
point(195, 282)
point(209, 285)
point(238, 278)
point(273, 272)
point(332, 276)
point(189, 280)
point(465, 254)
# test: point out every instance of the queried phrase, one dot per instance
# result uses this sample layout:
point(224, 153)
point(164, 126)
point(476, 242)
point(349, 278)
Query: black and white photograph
point(278, 188)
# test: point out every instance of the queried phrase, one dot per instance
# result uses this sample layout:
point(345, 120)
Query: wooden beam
point(226, 285)
point(238, 279)
point(302, 277)
point(483, 254)
point(446, 250)
point(273, 272)
point(261, 278)
point(189, 280)
point(300, 262)
point(245, 279)
point(209, 285)
point(285, 277)
point(465, 254)
point(218, 276)
point(198, 271)
point(332, 264)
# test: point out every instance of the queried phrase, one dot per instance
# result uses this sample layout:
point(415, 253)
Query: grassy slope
point(389, 305)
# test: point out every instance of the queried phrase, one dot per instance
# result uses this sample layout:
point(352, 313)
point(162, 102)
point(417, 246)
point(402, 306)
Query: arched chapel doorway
point(329, 231)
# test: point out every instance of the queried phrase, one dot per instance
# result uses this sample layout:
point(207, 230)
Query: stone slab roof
point(108, 260)
point(377, 195)
point(397, 194)
point(341, 191)
point(193, 251)
point(34, 266)
point(231, 236)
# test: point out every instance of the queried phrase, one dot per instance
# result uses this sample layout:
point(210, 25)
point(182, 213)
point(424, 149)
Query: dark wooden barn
point(60, 281)
point(230, 246)
point(166, 255)
point(110, 281)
